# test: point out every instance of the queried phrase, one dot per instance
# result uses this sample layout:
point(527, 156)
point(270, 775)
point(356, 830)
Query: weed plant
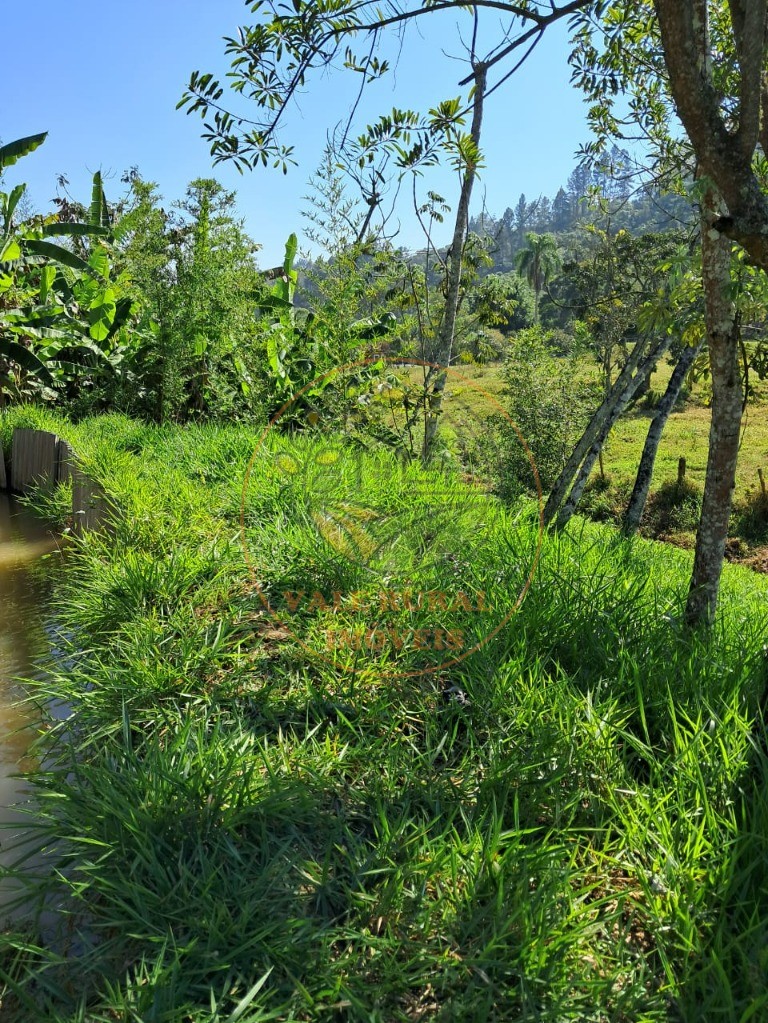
point(675, 507)
point(752, 517)
point(568, 825)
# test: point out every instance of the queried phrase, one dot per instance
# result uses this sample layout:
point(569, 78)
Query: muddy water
point(23, 541)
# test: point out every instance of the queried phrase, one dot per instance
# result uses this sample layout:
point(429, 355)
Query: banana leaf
point(74, 231)
point(22, 356)
point(98, 214)
point(12, 203)
point(15, 150)
point(48, 250)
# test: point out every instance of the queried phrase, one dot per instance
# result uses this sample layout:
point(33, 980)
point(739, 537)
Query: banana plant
point(306, 351)
point(281, 294)
point(57, 308)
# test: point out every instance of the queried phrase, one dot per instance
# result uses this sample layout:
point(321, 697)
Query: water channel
point(23, 639)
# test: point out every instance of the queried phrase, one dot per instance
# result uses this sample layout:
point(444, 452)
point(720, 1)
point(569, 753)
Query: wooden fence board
point(89, 503)
point(66, 462)
point(33, 459)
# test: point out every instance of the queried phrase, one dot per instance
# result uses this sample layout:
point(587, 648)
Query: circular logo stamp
point(371, 538)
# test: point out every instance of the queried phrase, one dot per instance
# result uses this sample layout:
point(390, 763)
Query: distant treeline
point(595, 195)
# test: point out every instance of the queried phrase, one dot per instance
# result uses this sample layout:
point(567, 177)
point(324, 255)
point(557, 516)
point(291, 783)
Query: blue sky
point(104, 79)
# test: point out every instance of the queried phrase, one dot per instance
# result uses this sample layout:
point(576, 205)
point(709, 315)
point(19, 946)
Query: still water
point(23, 541)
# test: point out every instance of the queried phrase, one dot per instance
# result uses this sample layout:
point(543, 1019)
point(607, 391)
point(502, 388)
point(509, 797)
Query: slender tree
point(569, 486)
point(639, 496)
point(447, 330)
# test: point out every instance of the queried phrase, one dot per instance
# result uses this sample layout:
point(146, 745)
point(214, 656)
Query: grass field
point(686, 436)
point(569, 824)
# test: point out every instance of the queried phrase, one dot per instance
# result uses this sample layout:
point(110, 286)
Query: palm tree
point(537, 262)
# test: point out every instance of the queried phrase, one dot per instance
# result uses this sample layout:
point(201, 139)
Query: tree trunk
point(536, 290)
point(724, 153)
point(453, 284)
point(724, 432)
point(637, 501)
point(643, 373)
point(587, 439)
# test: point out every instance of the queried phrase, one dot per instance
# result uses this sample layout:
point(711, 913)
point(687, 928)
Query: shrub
point(550, 401)
point(674, 508)
point(751, 517)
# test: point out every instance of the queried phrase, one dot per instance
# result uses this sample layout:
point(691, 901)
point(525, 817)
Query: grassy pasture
point(686, 436)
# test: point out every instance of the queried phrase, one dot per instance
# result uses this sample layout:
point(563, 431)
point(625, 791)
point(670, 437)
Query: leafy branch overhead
point(273, 59)
point(704, 62)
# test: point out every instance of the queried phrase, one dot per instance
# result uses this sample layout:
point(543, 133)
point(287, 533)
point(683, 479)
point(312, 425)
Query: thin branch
point(360, 91)
point(518, 65)
point(542, 22)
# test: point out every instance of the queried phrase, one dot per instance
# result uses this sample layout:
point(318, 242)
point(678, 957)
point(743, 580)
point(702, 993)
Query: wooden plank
point(33, 459)
point(66, 462)
point(89, 503)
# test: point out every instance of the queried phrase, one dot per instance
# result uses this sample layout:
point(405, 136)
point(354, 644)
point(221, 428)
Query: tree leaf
point(21, 147)
point(24, 357)
point(38, 247)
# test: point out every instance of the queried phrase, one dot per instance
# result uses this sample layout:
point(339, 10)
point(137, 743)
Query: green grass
point(686, 436)
point(569, 824)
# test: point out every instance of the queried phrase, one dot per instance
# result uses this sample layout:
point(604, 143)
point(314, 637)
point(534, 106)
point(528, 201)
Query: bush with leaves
point(550, 400)
point(504, 301)
point(191, 350)
point(303, 348)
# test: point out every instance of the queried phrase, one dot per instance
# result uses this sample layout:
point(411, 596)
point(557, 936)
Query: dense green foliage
point(190, 351)
point(176, 322)
point(58, 308)
point(332, 729)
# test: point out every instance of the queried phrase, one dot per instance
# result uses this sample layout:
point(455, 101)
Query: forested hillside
point(608, 197)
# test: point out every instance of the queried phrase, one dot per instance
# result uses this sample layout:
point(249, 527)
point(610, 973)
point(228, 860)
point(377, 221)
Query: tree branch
point(540, 24)
point(725, 158)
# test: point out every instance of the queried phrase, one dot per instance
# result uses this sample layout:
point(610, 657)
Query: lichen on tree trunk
point(723, 341)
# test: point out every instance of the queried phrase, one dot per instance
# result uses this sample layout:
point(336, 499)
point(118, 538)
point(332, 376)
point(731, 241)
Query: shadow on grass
point(728, 978)
point(416, 873)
